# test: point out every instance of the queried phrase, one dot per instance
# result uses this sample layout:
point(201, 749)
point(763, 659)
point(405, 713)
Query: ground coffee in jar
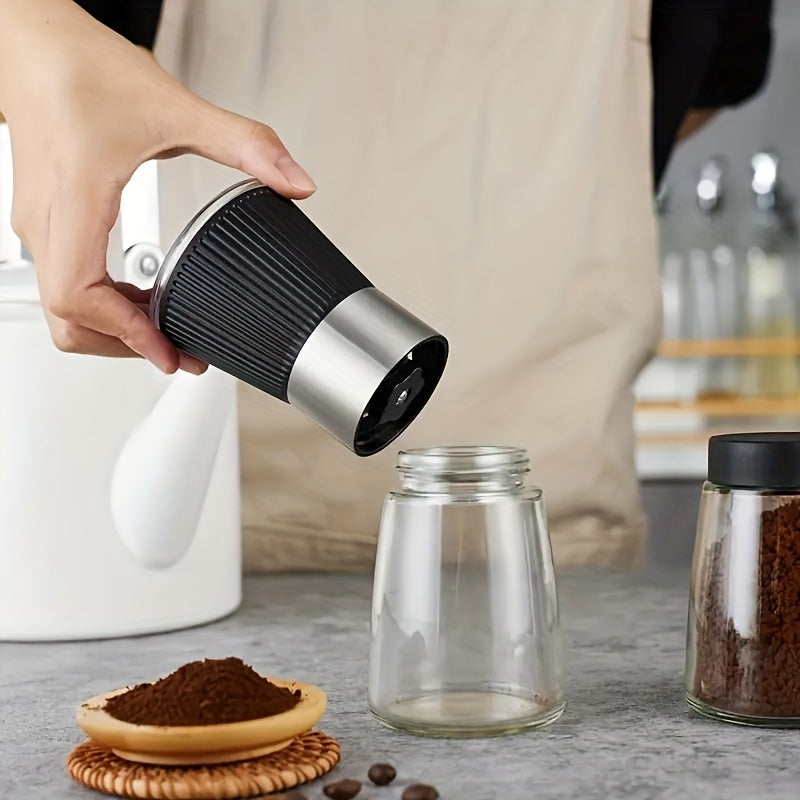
point(207, 692)
point(743, 653)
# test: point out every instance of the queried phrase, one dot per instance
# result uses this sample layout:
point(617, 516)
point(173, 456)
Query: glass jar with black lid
point(743, 638)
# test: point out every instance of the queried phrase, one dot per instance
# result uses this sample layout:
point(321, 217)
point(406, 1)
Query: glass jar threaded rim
point(463, 469)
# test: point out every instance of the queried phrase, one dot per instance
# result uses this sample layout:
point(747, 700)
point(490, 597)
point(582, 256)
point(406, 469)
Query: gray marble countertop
point(626, 731)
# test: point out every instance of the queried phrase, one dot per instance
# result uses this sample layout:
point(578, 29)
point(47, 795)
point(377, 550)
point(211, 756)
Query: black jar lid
point(755, 460)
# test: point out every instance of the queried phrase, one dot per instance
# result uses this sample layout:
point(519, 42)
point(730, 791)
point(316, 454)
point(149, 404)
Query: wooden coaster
point(309, 756)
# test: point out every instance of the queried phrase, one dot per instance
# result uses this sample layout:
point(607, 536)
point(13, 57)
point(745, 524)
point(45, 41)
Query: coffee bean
point(382, 774)
point(420, 791)
point(342, 790)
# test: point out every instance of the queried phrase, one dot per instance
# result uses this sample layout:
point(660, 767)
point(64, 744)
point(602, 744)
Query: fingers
point(101, 309)
point(75, 287)
point(86, 311)
point(133, 293)
point(105, 310)
point(72, 338)
point(191, 364)
point(141, 299)
point(249, 146)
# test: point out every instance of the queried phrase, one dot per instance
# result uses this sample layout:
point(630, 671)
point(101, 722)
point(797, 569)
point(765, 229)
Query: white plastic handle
point(134, 250)
point(138, 209)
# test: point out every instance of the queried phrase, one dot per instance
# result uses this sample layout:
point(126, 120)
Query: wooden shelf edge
point(731, 348)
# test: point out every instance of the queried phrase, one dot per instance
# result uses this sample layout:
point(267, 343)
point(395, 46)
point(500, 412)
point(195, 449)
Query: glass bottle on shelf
point(702, 304)
point(709, 187)
point(714, 279)
point(659, 381)
point(728, 298)
point(686, 374)
point(770, 299)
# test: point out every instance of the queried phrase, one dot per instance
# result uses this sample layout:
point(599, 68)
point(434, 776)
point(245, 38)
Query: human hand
point(85, 108)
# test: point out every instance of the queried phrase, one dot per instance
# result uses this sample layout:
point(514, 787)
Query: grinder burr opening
point(254, 288)
point(400, 397)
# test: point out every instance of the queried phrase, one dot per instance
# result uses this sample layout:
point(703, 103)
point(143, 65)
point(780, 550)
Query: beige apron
point(487, 164)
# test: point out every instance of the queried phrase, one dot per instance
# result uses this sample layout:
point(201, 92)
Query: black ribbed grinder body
point(255, 289)
point(253, 282)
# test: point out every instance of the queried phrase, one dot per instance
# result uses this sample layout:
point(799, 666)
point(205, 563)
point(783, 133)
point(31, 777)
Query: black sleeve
point(136, 20)
point(705, 54)
point(740, 61)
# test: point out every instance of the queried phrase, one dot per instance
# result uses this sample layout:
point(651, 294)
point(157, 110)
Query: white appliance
point(119, 486)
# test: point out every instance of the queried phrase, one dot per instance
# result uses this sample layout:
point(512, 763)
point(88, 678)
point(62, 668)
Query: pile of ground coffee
point(207, 692)
point(754, 675)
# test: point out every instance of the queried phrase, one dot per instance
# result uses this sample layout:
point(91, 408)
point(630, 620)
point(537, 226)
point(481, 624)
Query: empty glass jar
point(743, 640)
point(465, 628)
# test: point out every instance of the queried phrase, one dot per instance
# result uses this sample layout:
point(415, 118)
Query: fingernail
point(295, 174)
point(192, 365)
point(167, 367)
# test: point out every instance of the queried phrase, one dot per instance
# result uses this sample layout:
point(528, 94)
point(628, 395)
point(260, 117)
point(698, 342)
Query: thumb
point(247, 145)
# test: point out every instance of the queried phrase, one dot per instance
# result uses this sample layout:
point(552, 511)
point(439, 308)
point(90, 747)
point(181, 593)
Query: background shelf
point(726, 407)
point(731, 348)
